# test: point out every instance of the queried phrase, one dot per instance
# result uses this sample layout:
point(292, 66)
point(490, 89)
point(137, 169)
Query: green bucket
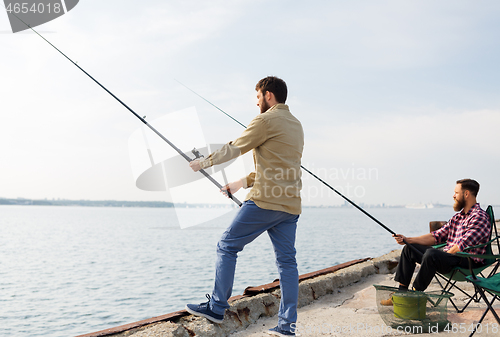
point(409, 305)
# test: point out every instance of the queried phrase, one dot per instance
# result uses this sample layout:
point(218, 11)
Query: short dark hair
point(275, 85)
point(470, 185)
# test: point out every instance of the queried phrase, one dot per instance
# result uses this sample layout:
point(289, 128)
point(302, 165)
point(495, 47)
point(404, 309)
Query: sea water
point(66, 271)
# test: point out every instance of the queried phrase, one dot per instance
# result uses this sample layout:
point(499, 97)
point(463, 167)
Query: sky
point(398, 100)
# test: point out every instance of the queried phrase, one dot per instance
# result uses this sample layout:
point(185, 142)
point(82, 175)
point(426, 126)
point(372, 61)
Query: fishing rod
point(142, 119)
point(305, 169)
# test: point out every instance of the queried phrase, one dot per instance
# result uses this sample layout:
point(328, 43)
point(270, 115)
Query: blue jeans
point(249, 223)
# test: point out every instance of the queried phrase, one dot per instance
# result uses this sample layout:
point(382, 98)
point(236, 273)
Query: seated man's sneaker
point(389, 301)
point(276, 331)
point(386, 302)
point(203, 310)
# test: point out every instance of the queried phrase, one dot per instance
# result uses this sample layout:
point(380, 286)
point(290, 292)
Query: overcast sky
point(398, 99)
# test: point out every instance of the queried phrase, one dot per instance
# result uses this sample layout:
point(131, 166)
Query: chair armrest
point(439, 245)
point(483, 244)
point(470, 256)
point(479, 256)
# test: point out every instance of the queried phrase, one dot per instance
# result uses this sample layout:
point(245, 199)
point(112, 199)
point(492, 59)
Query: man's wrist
point(205, 163)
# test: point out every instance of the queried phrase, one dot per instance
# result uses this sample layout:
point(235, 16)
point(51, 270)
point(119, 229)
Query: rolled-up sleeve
point(249, 180)
point(441, 235)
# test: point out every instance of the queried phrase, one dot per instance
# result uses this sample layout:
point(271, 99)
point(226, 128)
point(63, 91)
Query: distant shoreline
point(84, 203)
point(156, 204)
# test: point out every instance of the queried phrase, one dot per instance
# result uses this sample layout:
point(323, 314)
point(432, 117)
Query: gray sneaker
point(276, 331)
point(203, 310)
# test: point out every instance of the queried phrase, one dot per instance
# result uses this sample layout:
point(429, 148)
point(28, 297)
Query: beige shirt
point(277, 140)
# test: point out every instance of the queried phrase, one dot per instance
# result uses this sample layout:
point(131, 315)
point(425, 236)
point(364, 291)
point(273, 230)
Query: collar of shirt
point(474, 208)
point(278, 106)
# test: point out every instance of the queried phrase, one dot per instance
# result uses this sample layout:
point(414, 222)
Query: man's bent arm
point(254, 135)
point(426, 239)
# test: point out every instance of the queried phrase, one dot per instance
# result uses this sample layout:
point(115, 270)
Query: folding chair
point(483, 285)
point(459, 274)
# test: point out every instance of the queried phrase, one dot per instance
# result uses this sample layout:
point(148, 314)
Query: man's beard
point(264, 107)
point(459, 205)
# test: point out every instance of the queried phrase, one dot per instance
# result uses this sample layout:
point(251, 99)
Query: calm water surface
point(66, 271)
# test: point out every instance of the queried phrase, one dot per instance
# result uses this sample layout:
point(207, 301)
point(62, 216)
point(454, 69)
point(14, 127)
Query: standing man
point(469, 227)
point(273, 203)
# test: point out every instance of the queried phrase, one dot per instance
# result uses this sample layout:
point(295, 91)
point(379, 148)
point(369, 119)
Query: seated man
point(469, 227)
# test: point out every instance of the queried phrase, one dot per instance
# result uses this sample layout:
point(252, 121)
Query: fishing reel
point(197, 154)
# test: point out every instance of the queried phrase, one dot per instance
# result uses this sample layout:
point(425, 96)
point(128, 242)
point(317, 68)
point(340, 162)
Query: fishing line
point(305, 169)
point(142, 119)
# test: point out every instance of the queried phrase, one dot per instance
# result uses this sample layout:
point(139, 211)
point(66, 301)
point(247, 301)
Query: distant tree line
point(89, 203)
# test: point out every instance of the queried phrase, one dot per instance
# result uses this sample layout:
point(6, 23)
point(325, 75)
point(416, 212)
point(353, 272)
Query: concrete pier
point(256, 302)
point(338, 301)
